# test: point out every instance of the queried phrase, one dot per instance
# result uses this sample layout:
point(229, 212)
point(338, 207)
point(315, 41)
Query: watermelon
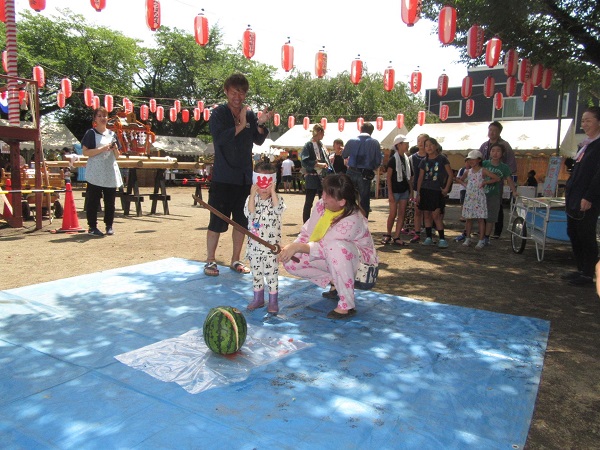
point(225, 330)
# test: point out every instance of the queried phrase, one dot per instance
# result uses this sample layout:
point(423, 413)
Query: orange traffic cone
point(8, 209)
point(70, 223)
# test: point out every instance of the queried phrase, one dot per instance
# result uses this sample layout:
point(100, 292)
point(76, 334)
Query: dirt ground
point(567, 412)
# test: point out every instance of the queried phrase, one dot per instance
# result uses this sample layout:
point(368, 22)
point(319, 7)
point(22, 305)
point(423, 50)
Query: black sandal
point(387, 238)
point(399, 241)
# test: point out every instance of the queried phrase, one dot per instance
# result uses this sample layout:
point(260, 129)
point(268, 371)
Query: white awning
point(180, 145)
point(55, 135)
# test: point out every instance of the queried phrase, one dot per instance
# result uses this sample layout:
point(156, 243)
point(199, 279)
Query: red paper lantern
point(185, 115)
point(470, 107)
point(411, 11)
point(108, 102)
point(537, 71)
point(88, 97)
point(60, 99)
point(201, 29)
point(249, 43)
point(291, 121)
point(389, 78)
point(177, 105)
point(547, 78)
point(341, 124)
point(442, 87)
point(127, 105)
point(356, 70)
point(511, 61)
point(287, 56)
point(2, 11)
point(152, 104)
point(415, 81)
point(324, 123)
point(96, 102)
point(37, 5)
point(22, 97)
point(421, 117)
point(197, 114)
point(66, 87)
point(475, 37)
point(524, 72)
point(526, 90)
point(153, 14)
point(98, 5)
point(200, 105)
point(379, 123)
point(144, 112)
point(511, 86)
point(489, 84)
point(447, 25)
point(276, 119)
point(5, 61)
point(467, 87)
point(39, 76)
point(173, 114)
point(400, 121)
point(206, 114)
point(321, 63)
point(498, 100)
point(306, 123)
point(492, 52)
point(160, 113)
point(359, 123)
point(444, 110)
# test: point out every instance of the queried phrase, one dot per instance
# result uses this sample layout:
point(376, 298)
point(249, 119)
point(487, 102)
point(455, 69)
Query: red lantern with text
point(287, 56)
point(22, 97)
point(206, 114)
point(96, 102)
point(399, 121)
point(341, 124)
point(152, 104)
point(447, 25)
point(526, 90)
point(547, 78)
point(39, 76)
point(498, 100)
point(201, 29)
point(379, 123)
point(356, 70)
point(5, 61)
point(127, 105)
point(324, 123)
point(421, 117)
point(291, 121)
point(200, 105)
point(321, 63)
point(442, 87)
point(185, 115)
point(98, 5)
point(144, 112)
point(249, 43)
point(470, 107)
point(160, 113)
point(415, 81)
point(537, 71)
point(411, 11)
point(108, 102)
point(475, 37)
point(389, 78)
point(492, 52)
point(359, 123)
point(88, 97)
point(197, 114)
point(511, 61)
point(467, 87)
point(511, 86)
point(489, 84)
point(37, 5)
point(276, 119)
point(306, 123)
point(66, 87)
point(524, 72)
point(60, 99)
point(153, 14)
point(177, 105)
point(444, 109)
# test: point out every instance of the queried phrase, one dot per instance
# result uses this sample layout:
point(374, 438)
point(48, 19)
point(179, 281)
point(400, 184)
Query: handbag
point(366, 276)
point(367, 174)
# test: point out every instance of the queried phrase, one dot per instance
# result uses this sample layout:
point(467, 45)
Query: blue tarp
point(400, 374)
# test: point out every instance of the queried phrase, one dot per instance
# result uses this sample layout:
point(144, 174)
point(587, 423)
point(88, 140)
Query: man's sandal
point(239, 267)
point(399, 241)
point(211, 269)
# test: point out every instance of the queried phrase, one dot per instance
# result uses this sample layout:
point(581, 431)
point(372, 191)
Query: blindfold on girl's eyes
point(263, 180)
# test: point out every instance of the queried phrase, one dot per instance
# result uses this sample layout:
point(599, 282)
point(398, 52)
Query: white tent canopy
point(524, 136)
point(180, 145)
point(55, 135)
point(296, 137)
point(265, 148)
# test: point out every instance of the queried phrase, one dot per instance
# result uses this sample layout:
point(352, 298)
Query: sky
point(374, 30)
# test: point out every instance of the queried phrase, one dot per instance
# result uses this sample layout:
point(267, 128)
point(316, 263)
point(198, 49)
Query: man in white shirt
point(286, 173)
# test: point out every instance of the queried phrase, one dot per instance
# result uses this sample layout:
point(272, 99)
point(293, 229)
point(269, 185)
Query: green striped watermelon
point(225, 330)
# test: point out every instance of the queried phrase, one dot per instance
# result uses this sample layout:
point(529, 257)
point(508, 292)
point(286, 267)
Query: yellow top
point(323, 224)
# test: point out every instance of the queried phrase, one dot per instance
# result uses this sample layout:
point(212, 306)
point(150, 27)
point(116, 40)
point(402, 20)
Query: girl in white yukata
point(264, 208)
point(332, 244)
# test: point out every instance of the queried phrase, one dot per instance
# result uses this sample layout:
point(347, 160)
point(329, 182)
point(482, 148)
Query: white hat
point(474, 154)
point(399, 139)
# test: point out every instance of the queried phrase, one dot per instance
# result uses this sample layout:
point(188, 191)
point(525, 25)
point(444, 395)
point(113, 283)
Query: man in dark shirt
point(234, 130)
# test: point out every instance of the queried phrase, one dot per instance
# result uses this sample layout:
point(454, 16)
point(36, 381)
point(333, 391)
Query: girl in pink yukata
point(332, 243)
